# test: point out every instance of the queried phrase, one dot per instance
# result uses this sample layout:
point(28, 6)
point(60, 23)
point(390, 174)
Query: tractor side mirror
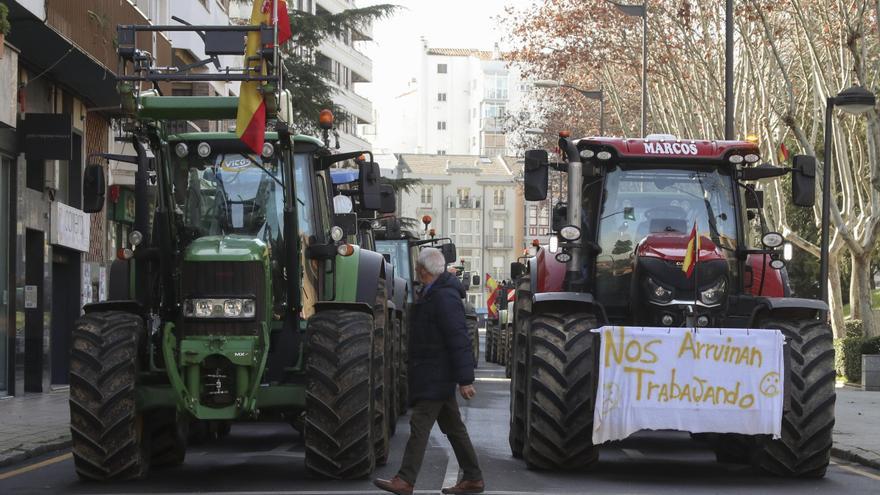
point(803, 180)
point(560, 216)
point(94, 188)
point(536, 173)
point(448, 251)
point(517, 270)
point(466, 281)
point(475, 280)
point(389, 199)
point(369, 188)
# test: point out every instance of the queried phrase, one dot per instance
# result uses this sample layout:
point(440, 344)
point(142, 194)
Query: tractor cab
point(667, 230)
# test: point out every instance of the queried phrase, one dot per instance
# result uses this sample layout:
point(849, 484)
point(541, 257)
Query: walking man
point(440, 359)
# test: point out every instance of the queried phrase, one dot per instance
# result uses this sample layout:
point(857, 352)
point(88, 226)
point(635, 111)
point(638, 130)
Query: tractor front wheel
point(339, 396)
point(804, 450)
point(561, 392)
point(108, 433)
point(518, 379)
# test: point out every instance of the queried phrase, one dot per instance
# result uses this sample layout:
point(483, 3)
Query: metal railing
point(463, 202)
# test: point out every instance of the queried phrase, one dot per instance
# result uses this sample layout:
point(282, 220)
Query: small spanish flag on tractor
point(692, 254)
point(492, 295)
point(250, 125)
point(782, 153)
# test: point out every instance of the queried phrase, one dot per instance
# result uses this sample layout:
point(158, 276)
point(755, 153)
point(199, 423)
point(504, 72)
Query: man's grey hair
point(432, 260)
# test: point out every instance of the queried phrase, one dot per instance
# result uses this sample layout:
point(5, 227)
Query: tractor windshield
point(660, 206)
point(230, 194)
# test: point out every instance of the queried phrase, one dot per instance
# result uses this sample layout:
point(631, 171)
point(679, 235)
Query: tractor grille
point(224, 279)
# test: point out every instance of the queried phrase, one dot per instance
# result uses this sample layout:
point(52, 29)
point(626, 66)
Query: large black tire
point(393, 361)
point(474, 336)
point(168, 438)
point(381, 376)
point(108, 433)
point(518, 378)
point(561, 392)
point(804, 450)
point(403, 374)
point(508, 351)
point(491, 342)
point(339, 395)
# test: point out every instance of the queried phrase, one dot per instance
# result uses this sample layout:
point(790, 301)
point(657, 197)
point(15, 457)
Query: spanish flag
point(250, 125)
point(492, 288)
point(692, 255)
point(782, 154)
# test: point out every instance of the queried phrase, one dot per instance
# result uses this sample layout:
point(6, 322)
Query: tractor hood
point(227, 248)
point(672, 246)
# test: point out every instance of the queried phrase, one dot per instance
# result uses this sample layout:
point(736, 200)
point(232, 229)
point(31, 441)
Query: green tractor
point(238, 297)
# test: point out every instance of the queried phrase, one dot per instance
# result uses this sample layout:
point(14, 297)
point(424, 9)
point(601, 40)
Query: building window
point(533, 216)
point(494, 110)
point(498, 231)
point(545, 216)
point(496, 86)
point(441, 125)
point(427, 196)
point(498, 197)
point(441, 152)
point(441, 96)
point(441, 68)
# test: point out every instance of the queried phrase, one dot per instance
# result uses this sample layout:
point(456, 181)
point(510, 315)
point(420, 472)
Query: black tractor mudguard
point(794, 308)
point(371, 268)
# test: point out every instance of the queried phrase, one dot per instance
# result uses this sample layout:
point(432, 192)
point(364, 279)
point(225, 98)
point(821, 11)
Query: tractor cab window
point(656, 209)
point(230, 194)
point(302, 172)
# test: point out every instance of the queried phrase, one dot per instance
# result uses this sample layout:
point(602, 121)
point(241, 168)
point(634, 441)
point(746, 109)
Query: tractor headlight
point(181, 150)
point(203, 149)
point(268, 150)
point(219, 308)
point(570, 233)
point(657, 292)
point(714, 294)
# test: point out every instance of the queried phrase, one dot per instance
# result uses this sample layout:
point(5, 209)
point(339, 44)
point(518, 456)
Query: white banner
point(697, 380)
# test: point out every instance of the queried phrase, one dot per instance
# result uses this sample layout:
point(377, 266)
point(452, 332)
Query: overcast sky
point(444, 23)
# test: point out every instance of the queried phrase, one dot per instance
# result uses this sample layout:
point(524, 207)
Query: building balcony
point(455, 202)
point(492, 124)
point(492, 241)
point(360, 65)
point(354, 104)
point(91, 26)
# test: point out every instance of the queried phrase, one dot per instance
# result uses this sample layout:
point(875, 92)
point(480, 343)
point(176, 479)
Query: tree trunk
point(860, 293)
point(836, 302)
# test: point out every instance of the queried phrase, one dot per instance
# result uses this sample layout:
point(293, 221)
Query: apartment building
point(457, 103)
point(474, 201)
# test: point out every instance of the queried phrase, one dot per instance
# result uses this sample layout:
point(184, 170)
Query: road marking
point(851, 469)
point(34, 467)
point(451, 478)
point(350, 492)
point(633, 454)
point(491, 379)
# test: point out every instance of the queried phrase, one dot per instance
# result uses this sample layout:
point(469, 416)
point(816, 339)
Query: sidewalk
point(39, 423)
point(33, 425)
point(857, 427)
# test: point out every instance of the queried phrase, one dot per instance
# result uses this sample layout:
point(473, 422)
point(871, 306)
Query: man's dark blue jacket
point(440, 352)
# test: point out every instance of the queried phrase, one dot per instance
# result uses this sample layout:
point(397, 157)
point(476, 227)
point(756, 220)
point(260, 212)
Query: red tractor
point(621, 237)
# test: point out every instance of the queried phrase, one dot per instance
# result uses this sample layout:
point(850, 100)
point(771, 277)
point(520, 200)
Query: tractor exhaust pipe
point(573, 278)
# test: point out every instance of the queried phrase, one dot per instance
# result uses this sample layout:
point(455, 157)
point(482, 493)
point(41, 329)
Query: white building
point(456, 103)
point(474, 201)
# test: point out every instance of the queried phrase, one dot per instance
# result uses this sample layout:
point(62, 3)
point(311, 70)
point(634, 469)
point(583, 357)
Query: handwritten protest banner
point(697, 380)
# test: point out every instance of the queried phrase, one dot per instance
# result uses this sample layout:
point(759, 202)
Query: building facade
point(59, 107)
point(473, 200)
point(457, 103)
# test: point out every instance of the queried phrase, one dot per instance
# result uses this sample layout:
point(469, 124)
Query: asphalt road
point(268, 458)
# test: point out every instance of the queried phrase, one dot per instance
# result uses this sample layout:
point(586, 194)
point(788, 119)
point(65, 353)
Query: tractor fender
point(356, 276)
point(545, 273)
point(128, 306)
point(787, 307)
point(567, 302)
point(351, 306)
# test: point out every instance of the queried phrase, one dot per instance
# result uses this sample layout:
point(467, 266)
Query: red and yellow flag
point(250, 125)
point(692, 255)
point(492, 295)
point(782, 153)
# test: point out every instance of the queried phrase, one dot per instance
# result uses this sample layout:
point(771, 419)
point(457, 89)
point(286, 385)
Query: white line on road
point(491, 379)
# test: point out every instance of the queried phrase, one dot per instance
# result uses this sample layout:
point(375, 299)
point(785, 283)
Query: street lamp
point(854, 100)
point(640, 11)
point(591, 94)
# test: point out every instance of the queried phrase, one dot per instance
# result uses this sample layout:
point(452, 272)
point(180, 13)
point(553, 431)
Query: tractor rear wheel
point(381, 375)
point(403, 375)
point(339, 396)
point(518, 377)
point(561, 392)
point(392, 358)
point(108, 433)
point(474, 336)
point(508, 352)
point(804, 450)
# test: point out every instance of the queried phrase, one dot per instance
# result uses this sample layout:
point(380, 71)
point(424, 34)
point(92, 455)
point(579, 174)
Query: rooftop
point(418, 164)
point(462, 52)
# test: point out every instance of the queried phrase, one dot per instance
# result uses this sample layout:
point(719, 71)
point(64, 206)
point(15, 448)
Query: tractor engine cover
point(661, 288)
